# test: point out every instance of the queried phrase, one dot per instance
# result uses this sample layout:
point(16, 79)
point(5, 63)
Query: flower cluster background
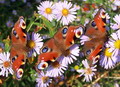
point(43, 19)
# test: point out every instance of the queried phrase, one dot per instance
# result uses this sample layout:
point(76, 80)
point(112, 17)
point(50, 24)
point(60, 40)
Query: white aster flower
point(65, 12)
point(74, 52)
point(43, 80)
point(117, 24)
point(107, 60)
point(34, 43)
point(46, 9)
point(116, 2)
point(88, 72)
point(114, 43)
point(56, 68)
point(5, 65)
point(114, 7)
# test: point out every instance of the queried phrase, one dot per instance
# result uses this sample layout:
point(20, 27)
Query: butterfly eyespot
point(42, 65)
point(14, 32)
point(88, 52)
point(79, 32)
point(93, 24)
point(45, 49)
point(22, 23)
point(102, 13)
point(64, 31)
point(19, 73)
point(14, 58)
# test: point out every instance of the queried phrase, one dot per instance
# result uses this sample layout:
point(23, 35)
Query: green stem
point(31, 24)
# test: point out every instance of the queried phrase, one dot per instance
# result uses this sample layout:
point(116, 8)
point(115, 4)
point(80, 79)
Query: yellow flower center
point(48, 10)
point(107, 53)
point(65, 12)
point(55, 64)
point(45, 79)
point(88, 71)
point(76, 67)
point(31, 44)
point(6, 64)
point(117, 44)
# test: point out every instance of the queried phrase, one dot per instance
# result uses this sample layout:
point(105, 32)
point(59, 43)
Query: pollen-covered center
point(65, 12)
point(88, 71)
point(45, 79)
point(107, 53)
point(6, 64)
point(31, 44)
point(117, 44)
point(55, 64)
point(48, 10)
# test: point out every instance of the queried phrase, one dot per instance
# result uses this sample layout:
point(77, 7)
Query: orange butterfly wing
point(18, 42)
point(59, 44)
point(96, 31)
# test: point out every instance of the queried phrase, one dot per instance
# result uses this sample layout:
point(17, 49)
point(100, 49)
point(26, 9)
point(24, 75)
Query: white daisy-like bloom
point(116, 2)
point(56, 68)
point(107, 60)
point(5, 65)
point(88, 71)
point(74, 52)
point(114, 43)
point(43, 80)
point(65, 12)
point(34, 43)
point(83, 39)
point(117, 24)
point(46, 9)
point(114, 7)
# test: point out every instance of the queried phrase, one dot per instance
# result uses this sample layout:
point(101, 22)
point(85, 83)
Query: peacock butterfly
point(59, 45)
point(18, 47)
point(96, 31)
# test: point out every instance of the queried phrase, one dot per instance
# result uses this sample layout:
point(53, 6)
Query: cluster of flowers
point(65, 13)
point(61, 11)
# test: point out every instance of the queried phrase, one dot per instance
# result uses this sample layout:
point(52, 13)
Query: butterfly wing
point(18, 42)
point(96, 31)
point(58, 45)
